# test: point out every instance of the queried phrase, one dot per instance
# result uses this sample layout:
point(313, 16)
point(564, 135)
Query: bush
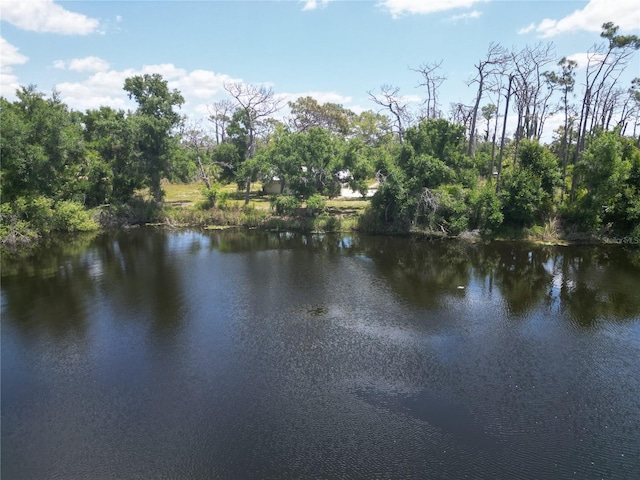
point(316, 204)
point(486, 209)
point(214, 197)
point(14, 231)
point(36, 211)
point(522, 198)
point(451, 213)
point(285, 204)
point(70, 216)
point(27, 219)
point(251, 216)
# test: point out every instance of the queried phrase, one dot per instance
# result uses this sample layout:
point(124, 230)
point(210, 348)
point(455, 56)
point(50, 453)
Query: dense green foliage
point(61, 168)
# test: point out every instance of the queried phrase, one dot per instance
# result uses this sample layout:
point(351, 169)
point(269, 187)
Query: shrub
point(211, 196)
point(36, 211)
point(486, 209)
point(71, 216)
point(451, 213)
point(522, 197)
point(285, 204)
point(251, 216)
point(316, 204)
point(14, 231)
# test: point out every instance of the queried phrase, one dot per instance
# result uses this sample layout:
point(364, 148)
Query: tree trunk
point(203, 174)
point(504, 130)
point(247, 192)
point(472, 131)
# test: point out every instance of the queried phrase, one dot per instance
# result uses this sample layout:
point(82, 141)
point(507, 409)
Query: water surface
point(151, 354)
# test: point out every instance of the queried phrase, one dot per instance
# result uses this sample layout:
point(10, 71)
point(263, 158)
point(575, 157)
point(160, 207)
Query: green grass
point(183, 208)
point(188, 195)
point(347, 206)
point(183, 195)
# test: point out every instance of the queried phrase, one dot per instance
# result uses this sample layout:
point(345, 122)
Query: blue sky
point(333, 50)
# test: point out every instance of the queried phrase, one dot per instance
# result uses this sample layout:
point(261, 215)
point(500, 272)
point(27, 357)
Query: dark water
point(158, 355)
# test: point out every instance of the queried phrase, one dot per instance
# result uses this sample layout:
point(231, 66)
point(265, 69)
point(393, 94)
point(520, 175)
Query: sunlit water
point(154, 355)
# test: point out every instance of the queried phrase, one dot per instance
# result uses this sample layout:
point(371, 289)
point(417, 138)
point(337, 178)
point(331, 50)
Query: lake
point(154, 354)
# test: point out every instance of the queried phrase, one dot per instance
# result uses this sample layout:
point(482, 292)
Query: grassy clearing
point(190, 195)
point(347, 206)
point(183, 207)
point(183, 195)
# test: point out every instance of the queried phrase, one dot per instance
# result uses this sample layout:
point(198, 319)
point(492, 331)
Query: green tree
point(306, 112)
point(609, 174)
point(41, 146)
point(359, 160)
point(521, 195)
point(438, 145)
point(255, 104)
point(371, 128)
point(541, 163)
point(527, 191)
point(113, 166)
point(154, 121)
point(306, 162)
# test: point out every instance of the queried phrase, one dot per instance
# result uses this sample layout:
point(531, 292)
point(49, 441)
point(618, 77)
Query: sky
point(333, 50)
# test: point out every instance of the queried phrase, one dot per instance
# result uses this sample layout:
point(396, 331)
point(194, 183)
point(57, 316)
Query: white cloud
point(314, 4)
point(583, 59)
point(397, 8)
point(411, 99)
point(202, 83)
point(10, 56)
point(624, 13)
point(466, 16)
point(528, 29)
point(198, 87)
point(168, 71)
point(44, 16)
point(552, 123)
point(87, 64)
point(321, 97)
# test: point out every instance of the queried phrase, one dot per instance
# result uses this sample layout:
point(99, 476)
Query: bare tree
point(606, 63)
point(531, 89)
point(431, 81)
point(497, 91)
point(631, 108)
point(504, 130)
point(565, 81)
point(389, 98)
point(220, 114)
point(197, 140)
point(460, 113)
point(485, 67)
point(257, 103)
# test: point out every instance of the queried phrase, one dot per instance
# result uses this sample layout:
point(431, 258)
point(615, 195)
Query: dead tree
point(504, 129)
point(485, 67)
point(431, 81)
point(220, 114)
point(197, 140)
point(498, 90)
point(389, 98)
point(461, 114)
point(257, 103)
point(565, 82)
point(532, 91)
point(605, 64)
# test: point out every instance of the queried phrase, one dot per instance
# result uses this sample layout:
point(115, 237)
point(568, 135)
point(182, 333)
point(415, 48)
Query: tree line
point(452, 174)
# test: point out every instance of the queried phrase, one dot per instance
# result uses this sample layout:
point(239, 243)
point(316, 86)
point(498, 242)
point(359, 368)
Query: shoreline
point(303, 222)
